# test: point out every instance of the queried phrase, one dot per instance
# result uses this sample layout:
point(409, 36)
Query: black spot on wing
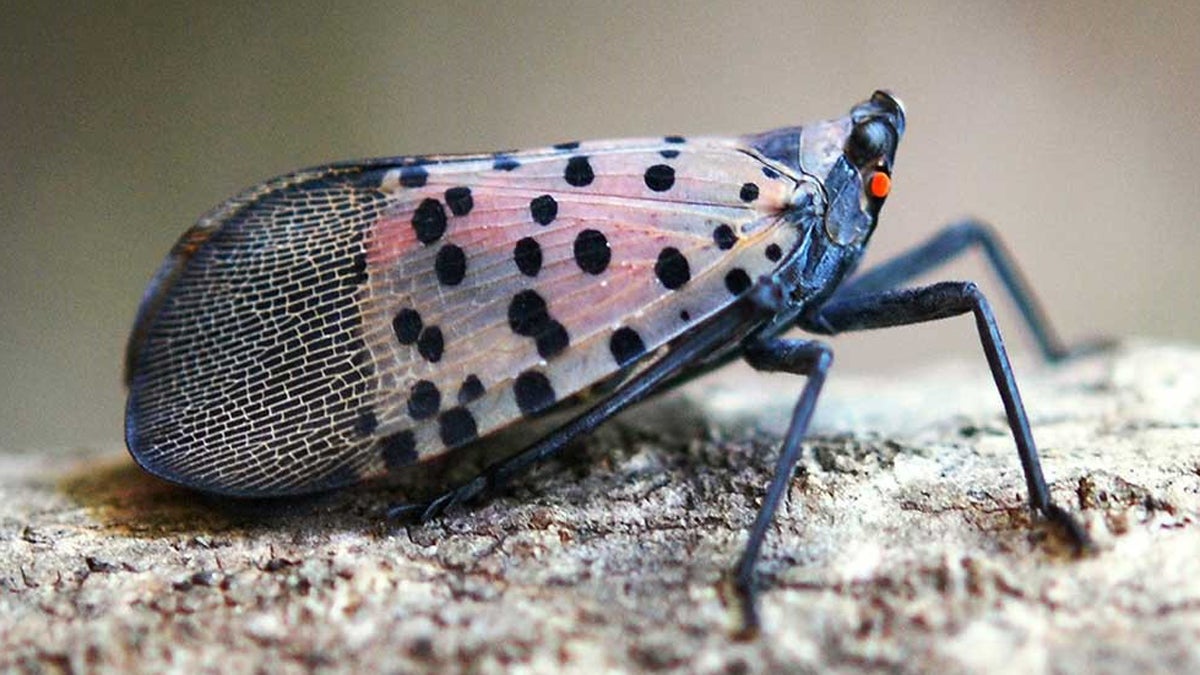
point(672, 268)
point(724, 237)
point(527, 313)
point(552, 340)
point(527, 254)
point(424, 400)
point(456, 427)
point(579, 172)
point(737, 281)
point(429, 221)
point(529, 316)
point(543, 209)
point(399, 450)
point(470, 390)
point(626, 345)
point(450, 265)
point(533, 392)
point(592, 253)
point(430, 344)
point(459, 200)
point(407, 326)
point(659, 177)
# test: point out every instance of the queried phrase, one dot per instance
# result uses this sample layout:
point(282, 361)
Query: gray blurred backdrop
point(1073, 127)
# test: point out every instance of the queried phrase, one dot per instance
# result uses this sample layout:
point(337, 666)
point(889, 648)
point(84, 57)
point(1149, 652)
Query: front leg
point(944, 300)
point(951, 243)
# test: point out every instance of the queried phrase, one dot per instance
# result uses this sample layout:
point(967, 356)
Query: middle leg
point(798, 357)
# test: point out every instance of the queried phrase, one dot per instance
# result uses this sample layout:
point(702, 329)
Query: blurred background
point(1071, 126)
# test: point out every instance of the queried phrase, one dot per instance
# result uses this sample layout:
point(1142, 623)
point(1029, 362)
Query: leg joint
point(793, 356)
point(974, 231)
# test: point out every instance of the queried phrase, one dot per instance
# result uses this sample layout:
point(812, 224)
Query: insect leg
point(944, 300)
point(799, 357)
point(951, 242)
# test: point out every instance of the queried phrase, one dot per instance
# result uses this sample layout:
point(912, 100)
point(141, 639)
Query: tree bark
point(904, 544)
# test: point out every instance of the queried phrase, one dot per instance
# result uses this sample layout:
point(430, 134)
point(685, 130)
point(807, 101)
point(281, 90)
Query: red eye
point(879, 185)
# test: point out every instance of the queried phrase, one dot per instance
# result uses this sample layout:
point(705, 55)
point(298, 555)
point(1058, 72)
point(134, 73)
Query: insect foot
point(1081, 543)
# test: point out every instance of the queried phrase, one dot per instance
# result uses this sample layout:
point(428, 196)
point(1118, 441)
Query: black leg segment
point(940, 301)
point(951, 242)
point(799, 357)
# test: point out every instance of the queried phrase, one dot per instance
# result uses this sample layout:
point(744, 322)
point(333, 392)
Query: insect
point(347, 322)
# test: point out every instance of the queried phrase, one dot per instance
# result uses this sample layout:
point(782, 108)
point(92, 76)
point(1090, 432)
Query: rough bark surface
point(903, 545)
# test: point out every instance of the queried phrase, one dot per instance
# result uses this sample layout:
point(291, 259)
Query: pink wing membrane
point(639, 201)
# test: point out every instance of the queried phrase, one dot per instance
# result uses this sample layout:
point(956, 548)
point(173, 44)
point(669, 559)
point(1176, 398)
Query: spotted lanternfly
point(346, 322)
